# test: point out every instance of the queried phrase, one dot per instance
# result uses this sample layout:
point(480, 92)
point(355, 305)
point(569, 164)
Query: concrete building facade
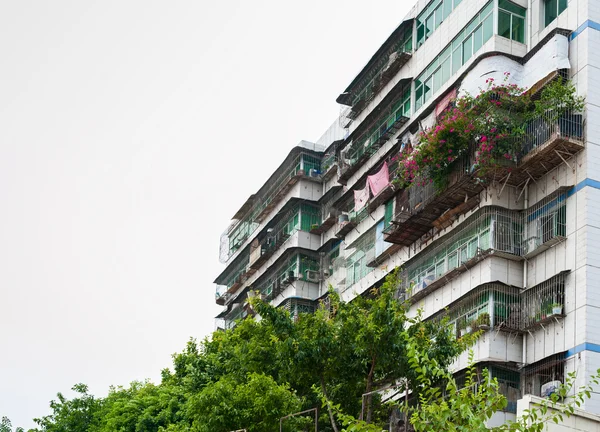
point(516, 254)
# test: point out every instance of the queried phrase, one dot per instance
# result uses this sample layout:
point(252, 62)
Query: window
point(463, 47)
point(552, 9)
point(389, 213)
point(511, 21)
point(431, 18)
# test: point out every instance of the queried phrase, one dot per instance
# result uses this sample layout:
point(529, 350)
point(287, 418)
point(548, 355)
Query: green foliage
point(76, 415)
point(251, 376)
point(491, 125)
point(6, 426)
point(256, 404)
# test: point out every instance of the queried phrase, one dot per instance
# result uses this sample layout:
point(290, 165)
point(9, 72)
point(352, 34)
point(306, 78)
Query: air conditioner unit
point(313, 276)
point(550, 388)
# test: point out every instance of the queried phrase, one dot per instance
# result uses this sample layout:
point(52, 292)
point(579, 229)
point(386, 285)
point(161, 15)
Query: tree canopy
point(273, 364)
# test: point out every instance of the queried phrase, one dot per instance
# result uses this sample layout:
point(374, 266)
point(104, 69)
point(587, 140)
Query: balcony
point(419, 206)
point(301, 164)
point(489, 306)
point(543, 303)
point(548, 142)
point(300, 217)
point(232, 278)
point(363, 147)
point(348, 221)
point(545, 223)
point(381, 68)
point(292, 267)
point(491, 231)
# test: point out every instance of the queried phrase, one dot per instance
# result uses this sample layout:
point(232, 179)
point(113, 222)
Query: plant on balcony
point(556, 308)
point(558, 98)
point(482, 322)
point(486, 131)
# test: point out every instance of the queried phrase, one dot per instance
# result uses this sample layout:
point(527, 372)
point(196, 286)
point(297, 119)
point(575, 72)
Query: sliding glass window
point(552, 9)
point(456, 54)
point(511, 21)
point(431, 18)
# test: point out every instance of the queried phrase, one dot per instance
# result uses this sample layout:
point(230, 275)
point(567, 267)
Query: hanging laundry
point(378, 181)
point(361, 198)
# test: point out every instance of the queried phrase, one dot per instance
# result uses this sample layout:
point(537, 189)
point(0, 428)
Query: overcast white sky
point(130, 132)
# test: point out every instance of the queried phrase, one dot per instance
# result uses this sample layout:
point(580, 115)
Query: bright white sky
point(130, 132)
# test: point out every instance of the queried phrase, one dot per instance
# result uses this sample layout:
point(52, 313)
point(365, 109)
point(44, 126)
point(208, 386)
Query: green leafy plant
point(485, 132)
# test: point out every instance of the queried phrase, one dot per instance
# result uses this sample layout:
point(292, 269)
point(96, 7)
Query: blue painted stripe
point(588, 182)
point(586, 346)
point(588, 24)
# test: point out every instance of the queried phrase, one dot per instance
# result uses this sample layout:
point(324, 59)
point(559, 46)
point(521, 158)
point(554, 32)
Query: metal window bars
point(549, 141)
point(380, 72)
point(296, 306)
point(543, 303)
point(543, 377)
point(509, 382)
point(228, 283)
point(512, 234)
point(304, 165)
point(301, 217)
point(360, 254)
point(492, 305)
point(365, 145)
point(286, 272)
point(503, 307)
point(491, 230)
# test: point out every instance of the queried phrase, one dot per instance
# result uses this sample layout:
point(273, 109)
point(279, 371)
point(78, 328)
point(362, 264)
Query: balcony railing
point(512, 234)
point(547, 143)
point(303, 166)
point(278, 277)
point(490, 231)
point(385, 70)
point(418, 207)
point(230, 280)
point(544, 302)
point(490, 306)
point(366, 145)
point(504, 307)
point(301, 217)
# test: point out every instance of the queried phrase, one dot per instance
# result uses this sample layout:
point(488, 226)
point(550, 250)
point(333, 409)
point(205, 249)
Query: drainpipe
point(526, 235)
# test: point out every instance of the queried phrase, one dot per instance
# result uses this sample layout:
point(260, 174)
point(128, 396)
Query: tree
point(75, 415)
point(256, 404)
point(6, 426)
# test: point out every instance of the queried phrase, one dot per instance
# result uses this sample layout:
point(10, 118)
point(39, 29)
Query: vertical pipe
point(526, 236)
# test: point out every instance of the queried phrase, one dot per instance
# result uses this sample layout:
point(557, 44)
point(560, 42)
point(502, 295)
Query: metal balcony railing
point(304, 165)
point(490, 231)
point(420, 205)
point(492, 305)
point(549, 141)
point(543, 303)
point(301, 217)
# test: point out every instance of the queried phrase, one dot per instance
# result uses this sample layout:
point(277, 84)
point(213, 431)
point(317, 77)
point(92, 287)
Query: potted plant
point(483, 321)
point(469, 327)
point(557, 308)
point(461, 325)
point(314, 226)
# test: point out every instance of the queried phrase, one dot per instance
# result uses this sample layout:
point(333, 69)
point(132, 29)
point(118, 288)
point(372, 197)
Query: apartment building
point(510, 253)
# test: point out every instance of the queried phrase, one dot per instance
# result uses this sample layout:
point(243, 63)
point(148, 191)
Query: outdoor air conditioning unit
point(313, 276)
point(550, 388)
